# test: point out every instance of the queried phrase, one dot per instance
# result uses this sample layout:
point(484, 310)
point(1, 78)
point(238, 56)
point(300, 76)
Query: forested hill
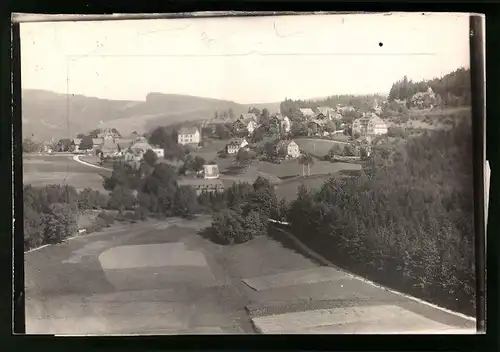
point(453, 88)
point(49, 115)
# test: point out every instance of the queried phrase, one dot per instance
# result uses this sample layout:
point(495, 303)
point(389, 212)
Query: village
point(221, 143)
point(246, 175)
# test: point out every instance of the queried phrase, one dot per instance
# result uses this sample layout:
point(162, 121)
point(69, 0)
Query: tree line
point(406, 222)
point(453, 89)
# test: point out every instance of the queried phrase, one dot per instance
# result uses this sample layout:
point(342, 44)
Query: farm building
point(369, 125)
point(188, 135)
point(248, 122)
point(235, 145)
point(202, 185)
point(210, 172)
point(160, 153)
point(281, 122)
point(288, 148)
point(326, 112)
point(424, 100)
point(316, 126)
point(76, 143)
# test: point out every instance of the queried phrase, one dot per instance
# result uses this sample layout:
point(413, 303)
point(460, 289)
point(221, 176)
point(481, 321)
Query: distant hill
point(49, 115)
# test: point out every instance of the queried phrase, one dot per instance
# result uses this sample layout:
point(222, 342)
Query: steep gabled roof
point(284, 143)
point(144, 146)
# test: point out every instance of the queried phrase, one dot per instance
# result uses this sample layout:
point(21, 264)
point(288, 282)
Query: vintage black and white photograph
point(284, 174)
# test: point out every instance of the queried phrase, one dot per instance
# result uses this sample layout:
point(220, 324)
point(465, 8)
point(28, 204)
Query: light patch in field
point(369, 319)
point(151, 255)
point(310, 276)
point(87, 250)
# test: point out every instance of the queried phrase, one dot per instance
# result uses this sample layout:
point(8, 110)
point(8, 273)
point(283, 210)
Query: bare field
point(60, 169)
point(319, 147)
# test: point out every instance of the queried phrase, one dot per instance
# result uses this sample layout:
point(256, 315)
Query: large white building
point(369, 125)
point(188, 135)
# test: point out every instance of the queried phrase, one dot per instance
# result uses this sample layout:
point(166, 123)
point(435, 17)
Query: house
point(281, 122)
point(376, 107)
point(316, 126)
point(424, 100)
point(307, 112)
point(141, 145)
point(343, 109)
point(97, 143)
point(202, 185)
point(288, 148)
point(210, 171)
point(188, 135)
point(235, 145)
point(108, 133)
point(401, 102)
point(248, 122)
point(286, 125)
point(369, 125)
point(160, 152)
point(76, 143)
point(326, 111)
point(133, 158)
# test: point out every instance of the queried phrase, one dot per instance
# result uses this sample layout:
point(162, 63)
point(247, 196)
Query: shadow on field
point(283, 178)
point(275, 234)
point(233, 170)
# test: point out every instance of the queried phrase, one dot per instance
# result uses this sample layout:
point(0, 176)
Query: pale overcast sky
point(244, 59)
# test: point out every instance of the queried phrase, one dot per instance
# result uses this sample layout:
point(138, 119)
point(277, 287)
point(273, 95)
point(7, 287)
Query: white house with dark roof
point(188, 135)
point(76, 143)
point(235, 145)
point(248, 122)
point(288, 148)
point(281, 122)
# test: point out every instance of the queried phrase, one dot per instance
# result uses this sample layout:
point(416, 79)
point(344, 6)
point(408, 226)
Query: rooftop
point(188, 130)
point(199, 182)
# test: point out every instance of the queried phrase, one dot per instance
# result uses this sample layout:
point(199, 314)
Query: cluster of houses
point(110, 144)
